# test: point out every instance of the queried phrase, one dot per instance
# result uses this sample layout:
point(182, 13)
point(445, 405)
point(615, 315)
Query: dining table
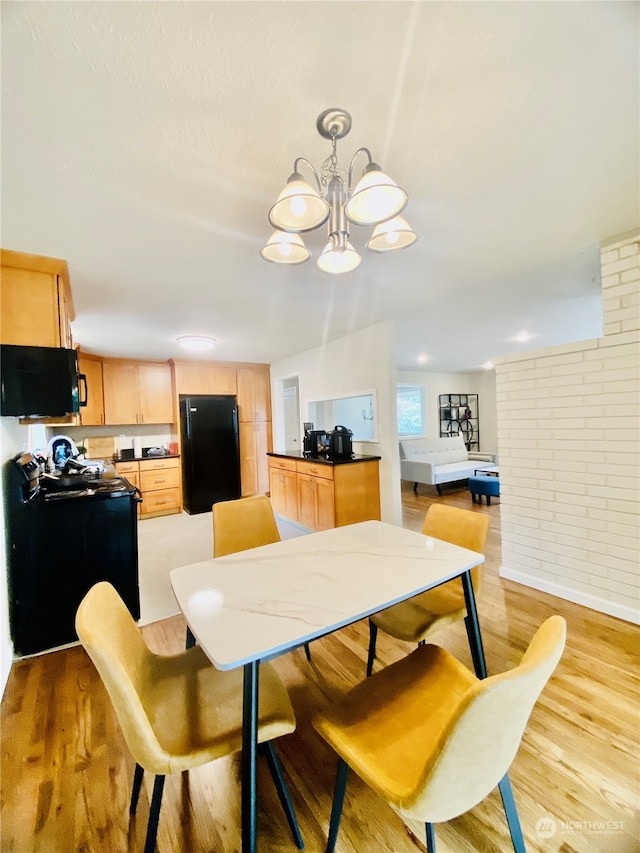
point(253, 605)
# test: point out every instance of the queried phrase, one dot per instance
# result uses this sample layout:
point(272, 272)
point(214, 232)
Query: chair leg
point(373, 636)
point(269, 752)
point(135, 792)
point(307, 651)
point(431, 838)
point(439, 489)
point(154, 815)
point(336, 808)
point(190, 640)
point(511, 812)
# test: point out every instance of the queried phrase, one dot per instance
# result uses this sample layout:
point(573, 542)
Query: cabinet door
point(30, 308)
point(284, 492)
point(93, 413)
point(221, 379)
point(254, 393)
point(306, 500)
point(120, 380)
point(325, 505)
point(255, 443)
point(192, 377)
point(155, 394)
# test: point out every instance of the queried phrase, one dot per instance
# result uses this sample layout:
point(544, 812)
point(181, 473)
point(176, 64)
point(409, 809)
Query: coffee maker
point(314, 442)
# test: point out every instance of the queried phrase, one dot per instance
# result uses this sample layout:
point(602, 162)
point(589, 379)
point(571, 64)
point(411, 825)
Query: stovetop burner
point(93, 488)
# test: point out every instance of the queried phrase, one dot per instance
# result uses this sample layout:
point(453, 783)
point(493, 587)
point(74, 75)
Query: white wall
point(360, 362)
point(569, 440)
point(481, 383)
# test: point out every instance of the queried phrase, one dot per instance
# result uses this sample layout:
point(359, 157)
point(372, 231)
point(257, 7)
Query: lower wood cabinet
point(159, 481)
point(255, 443)
point(322, 495)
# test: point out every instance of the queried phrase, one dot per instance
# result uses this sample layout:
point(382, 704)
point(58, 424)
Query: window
point(412, 415)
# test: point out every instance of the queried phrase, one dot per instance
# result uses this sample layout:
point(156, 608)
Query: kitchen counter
point(323, 493)
point(322, 460)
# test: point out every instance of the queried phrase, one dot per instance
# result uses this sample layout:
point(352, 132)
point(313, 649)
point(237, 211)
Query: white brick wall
point(569, 447)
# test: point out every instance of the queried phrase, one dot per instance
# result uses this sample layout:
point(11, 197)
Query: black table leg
point(473, 627)
point(249, 756)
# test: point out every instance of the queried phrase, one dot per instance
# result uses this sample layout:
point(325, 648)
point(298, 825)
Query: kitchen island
point(323, 493)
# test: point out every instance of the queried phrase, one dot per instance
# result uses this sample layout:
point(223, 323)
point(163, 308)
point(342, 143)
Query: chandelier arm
point(312, 167)
point(368, 153)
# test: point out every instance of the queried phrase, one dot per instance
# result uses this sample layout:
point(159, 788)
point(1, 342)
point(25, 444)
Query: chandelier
point(375, 200)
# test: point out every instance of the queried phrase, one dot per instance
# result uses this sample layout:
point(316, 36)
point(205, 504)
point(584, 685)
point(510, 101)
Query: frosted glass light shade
point(393, 234)
point(375, 198)
point(283, 248)
point(299, 207)
point(338, 262)
point(196, 342)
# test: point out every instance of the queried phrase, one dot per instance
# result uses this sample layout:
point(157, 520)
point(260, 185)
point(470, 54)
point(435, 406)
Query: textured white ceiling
point(145, 142)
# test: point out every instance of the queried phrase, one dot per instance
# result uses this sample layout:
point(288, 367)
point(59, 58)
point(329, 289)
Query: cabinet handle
point(160, 480)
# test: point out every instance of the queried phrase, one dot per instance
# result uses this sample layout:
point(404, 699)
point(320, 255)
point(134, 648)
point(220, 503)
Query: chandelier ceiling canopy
point(300, 207)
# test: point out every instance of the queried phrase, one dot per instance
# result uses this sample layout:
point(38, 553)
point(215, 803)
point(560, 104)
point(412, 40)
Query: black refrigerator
point(210, 450)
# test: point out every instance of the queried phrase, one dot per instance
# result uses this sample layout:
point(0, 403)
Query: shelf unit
point(459, 416)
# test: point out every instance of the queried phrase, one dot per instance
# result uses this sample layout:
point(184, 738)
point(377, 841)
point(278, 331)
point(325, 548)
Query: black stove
point(96, 488)
point(61, 541)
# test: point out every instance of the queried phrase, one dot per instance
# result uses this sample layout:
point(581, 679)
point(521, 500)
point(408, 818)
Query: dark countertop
point(322, 460)
point(147, 458)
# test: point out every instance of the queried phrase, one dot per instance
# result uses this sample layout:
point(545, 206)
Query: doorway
point(291, 411)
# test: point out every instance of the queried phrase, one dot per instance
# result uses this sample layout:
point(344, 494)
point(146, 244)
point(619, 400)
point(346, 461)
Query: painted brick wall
point(569, 448)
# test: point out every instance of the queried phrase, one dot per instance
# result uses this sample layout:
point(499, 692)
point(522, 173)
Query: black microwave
point(40, 382)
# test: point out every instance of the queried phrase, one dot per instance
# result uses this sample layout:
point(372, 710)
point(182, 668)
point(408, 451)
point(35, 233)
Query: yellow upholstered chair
point(179, 711)
point(431, 738)
point(239, 525)
point(419, 617)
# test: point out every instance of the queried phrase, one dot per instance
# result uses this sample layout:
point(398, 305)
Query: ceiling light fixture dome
point(196, 342)
point(375, 199)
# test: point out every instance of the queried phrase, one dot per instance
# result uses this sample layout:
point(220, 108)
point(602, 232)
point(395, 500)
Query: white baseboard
point(594, 602)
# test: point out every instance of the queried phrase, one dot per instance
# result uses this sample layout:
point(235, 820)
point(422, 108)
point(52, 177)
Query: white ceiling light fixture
point(196, 342)
point(375, 200)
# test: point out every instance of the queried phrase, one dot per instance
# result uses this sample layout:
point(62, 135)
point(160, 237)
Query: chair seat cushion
point(390, 727)
point(195, 710)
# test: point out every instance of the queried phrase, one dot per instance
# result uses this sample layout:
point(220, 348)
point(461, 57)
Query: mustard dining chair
point(418, 618)
point(434, 740)
point(239, 525)
point(179, 711)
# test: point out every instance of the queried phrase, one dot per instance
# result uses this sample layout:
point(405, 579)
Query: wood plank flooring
point(66, 771)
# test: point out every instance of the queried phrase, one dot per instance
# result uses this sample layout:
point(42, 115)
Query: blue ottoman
point(484, 485)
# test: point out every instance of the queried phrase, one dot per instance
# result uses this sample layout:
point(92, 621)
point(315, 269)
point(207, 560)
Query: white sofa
point(434, 461)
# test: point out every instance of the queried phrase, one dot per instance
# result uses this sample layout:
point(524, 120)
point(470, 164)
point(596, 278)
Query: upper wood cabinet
point(93, 413)
point(254, 393)
point(205, 377)
point(36, 307)
point(137, 393)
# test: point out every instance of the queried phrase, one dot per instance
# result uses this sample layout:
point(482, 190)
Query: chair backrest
point(461, 527)
point(482, 736)
point(242, 524)
point(114, 643)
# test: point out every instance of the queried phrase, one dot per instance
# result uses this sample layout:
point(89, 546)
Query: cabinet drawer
point(162, 500)
point(168, 478)
point(159, 464)
point(315, 470)
point(282, 464)
point(127, 468)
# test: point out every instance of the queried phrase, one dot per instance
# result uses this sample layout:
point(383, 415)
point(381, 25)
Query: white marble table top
point(254, 604)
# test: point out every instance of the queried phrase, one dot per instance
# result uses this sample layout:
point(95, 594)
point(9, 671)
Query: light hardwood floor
point(66, 772)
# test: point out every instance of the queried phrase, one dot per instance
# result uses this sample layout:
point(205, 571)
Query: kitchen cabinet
point(93, 413)
point(283, 487)
point(321, 494)
point(36, 306)
point(316, 496)
point(137, 392)
point(205, 377)
point(254, 393)
point(159, 480)
point(255, 443)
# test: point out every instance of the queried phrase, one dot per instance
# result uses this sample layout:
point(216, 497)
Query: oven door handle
point(138, 495)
